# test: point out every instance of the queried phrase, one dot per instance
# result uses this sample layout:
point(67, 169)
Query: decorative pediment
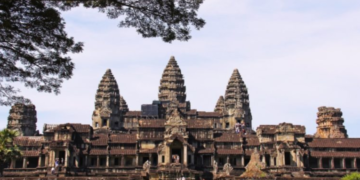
point(105, 113)
point(175, 119)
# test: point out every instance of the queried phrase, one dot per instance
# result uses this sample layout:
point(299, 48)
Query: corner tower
point(22, 118)
point(237, 101)
point(107, 103)
point(172, 82)
point(330, 123)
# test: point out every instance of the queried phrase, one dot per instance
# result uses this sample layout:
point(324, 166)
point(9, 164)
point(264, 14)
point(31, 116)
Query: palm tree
point(8, 150)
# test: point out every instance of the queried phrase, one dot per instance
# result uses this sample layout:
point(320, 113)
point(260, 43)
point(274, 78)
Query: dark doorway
point(338, 163)
point(176, 153)
point(42, 161)
point(349, 163)
point(207, 160)
point(103, 161)
point(144, 159)
point(287, 158)
point(247, 160)
point(93, 161)
point(81, 161)
point(116, 162)
point(61, 157)
point(357, 162)
point(19, 163)
point(32, 162)
point(326, 162)
point(313, 162)
point(154, 159)
point(267, 159)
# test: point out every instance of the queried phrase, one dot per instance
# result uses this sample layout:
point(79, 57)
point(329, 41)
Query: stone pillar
point(271, 161)
point(355, 166)
point(343, 163)
point(77, 159)
point(122, 161)
point(243, 160)
point(39, 161)
point(332, 165)
point(86, 161)
point(97, 161)
point(320, 162)
point(167, 154)
point(263, 160)
point(297, 154)
point(24, 162)
point(66, 158)
point(47, 160)
point(193, 159)
point(137, 160)
point(107, 160)
point(185, 156)
point(150, 158)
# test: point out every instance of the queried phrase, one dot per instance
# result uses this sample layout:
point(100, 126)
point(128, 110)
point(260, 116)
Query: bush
point(352, 176)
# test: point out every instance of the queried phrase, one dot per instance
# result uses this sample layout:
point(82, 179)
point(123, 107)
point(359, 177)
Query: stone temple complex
point(168, 139)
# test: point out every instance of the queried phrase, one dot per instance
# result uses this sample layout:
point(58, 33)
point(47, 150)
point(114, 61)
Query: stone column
point(24, 162)
point(137, 160)
point(86, 161)
point(185, 156)
point(298, 163)
point(355, 166)
point(320, 162)
point(107, 161)
point(271, 161)
point(47, 160)
point(77, 160)
point(167, 154)
point(122, 161)
point(66, 158)
point(150, 158)
point(97, 161)
point(332, 165)
point(343, 163)
point(39, 161)
point(243, 160)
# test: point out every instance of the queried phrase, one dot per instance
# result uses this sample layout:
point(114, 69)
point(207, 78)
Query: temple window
point(116, 124)
point(287, 158)
point(96, 124)
point(227, 125)
point(163, 159)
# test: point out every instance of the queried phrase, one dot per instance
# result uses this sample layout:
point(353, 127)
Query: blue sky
point(294, 56)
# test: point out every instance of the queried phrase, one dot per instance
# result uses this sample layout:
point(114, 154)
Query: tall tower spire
point(22, 118)
point(172, 82)
point(107, 103)
point(220, 105)
point(237, 99)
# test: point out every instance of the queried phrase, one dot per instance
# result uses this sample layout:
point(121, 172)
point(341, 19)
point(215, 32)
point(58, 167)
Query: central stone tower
point(172, 82)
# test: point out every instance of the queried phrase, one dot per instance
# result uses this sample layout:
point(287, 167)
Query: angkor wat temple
point(168, 139)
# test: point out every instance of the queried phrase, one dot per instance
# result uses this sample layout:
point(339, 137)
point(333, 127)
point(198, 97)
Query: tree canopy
point(34, 46)
point(7, 149)
point(352, 176)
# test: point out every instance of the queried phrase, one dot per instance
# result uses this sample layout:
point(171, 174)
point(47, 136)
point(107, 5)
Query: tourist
point(56, 163)
point(52, 170)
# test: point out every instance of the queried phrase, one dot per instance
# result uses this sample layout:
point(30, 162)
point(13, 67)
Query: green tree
point(34, 46)
point(7, 149)
point(352, 176)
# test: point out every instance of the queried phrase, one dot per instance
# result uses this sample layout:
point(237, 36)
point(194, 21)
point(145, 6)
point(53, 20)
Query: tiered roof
point(22, 115)
point(330, 123)
point(123, 105)
point(172, 82)
point(220, 105)
point(108, 94)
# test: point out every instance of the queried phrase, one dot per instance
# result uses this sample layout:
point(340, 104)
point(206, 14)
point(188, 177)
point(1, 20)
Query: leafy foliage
point(34, 44)
point(168, 19)
point(7, 149)
point(352, 176)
